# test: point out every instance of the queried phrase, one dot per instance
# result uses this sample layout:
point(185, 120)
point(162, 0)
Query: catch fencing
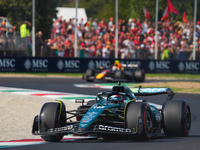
point(11, 44)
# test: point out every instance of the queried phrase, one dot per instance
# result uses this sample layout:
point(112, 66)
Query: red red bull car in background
point(125, 72)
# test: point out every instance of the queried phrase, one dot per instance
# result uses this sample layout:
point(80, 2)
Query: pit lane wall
point(79, 65)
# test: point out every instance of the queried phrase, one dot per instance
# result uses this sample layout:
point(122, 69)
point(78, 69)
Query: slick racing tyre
point(139, 118)
point(139, 75)
point(176, 118)
point(50, 118)
point(88, 74)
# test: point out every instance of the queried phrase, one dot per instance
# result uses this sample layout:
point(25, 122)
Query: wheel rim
point(188, 119)
point(148, 123)
point(58, 123)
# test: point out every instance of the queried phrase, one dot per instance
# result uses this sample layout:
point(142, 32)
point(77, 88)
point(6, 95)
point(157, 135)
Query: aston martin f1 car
point(127, 72)
point(116, 113)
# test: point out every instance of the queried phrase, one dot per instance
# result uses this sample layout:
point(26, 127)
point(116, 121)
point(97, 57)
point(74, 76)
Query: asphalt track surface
point(192, 142)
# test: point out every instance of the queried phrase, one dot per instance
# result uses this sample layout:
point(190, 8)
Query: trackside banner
point(79, 65)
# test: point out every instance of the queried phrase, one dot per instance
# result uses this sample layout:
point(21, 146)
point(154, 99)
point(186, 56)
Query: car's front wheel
point(139, 119)
point(52, 115)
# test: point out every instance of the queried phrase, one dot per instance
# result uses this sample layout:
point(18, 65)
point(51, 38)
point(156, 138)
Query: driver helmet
point(114, 68)
point(117, 63)
point(126, 99)
point(116, 99)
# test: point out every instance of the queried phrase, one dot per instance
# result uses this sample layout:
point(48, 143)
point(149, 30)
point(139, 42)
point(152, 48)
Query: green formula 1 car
point(116, 113)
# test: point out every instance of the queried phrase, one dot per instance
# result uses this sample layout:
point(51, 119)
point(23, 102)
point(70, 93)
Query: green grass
point(46, 74)
point(183, 89)
point(148, 75)
point(171, 75)
point(186, 90)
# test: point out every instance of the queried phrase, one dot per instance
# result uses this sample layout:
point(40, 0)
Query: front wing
point(96, 129)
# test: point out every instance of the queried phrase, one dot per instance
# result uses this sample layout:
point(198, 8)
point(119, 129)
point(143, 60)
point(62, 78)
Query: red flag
point(170, 8)
point(165, 14)
point(184, 17)
point(147, 14)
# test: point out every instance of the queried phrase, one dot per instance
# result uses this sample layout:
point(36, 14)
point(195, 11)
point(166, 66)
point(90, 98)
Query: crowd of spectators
point(136, 39)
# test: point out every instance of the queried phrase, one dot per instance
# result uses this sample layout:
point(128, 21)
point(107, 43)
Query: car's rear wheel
point(139, 119)
point(52, 115)
point(176, 118)
point(89, 74)
point(139, 75)
point(119, 74)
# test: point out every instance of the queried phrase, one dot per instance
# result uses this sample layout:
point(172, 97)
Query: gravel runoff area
point(17, 113)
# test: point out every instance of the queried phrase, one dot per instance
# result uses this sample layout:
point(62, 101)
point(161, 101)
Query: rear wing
point(153, 91)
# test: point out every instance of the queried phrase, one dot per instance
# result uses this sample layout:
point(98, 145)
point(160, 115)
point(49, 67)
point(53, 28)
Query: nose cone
point(100, 75)
point(81, 130)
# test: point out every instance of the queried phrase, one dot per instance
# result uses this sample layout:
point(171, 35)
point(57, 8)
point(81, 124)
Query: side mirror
point(79, 101)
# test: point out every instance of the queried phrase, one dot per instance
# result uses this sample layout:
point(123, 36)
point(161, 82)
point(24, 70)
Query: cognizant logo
point(113, 129)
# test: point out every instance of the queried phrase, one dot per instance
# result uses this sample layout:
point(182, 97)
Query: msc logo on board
point(7, 64)
point(188, 66)
point(36, 64)
point(68, 64)
point(159, 66)
point(96, 64)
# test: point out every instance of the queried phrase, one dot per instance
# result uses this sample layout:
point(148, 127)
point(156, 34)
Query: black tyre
point(88, 74)
point(176, 118)
point(119, 74)
point(139, 118)
point(51, 117)
point(139, 75)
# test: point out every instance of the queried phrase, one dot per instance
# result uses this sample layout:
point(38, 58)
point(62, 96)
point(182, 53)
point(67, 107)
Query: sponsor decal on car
point(148, 90)
point(85, 120)
point(113, 129)
point(66, 128)
point(83, 125)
